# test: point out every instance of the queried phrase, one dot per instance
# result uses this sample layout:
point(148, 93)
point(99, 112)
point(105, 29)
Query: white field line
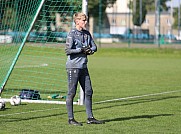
point(133, 97)
point(126, 98)
point(40, 101)
point(36, 101)
point(29, 66)
point(29, 112)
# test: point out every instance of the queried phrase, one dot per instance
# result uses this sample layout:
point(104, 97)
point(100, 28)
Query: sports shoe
point(74, 122)
point(94, 121)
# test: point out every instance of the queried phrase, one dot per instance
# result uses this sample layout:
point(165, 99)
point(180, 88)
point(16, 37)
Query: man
point(79, 44)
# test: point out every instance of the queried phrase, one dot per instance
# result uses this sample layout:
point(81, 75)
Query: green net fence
point(32, 38)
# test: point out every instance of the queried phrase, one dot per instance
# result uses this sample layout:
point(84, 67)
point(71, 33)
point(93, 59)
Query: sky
point(174, 2)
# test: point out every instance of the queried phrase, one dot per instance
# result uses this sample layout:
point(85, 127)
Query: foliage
point(137, 18)
point(176, 18)
point(50, 8)
point(96, 9)
point(8, 17)
point(150, 5)
point(13, 12)
point(10, 12)
point(147, 6)
point(94, 6)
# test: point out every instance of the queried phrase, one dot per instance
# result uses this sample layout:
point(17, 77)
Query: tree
point(93, 7)
point(96, 11)
point(147, 5)
point(49, 10)
point(177, 19)
point(138, 18)
point(10, 12)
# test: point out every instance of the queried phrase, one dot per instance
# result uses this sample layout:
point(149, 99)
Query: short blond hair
point(79, 16)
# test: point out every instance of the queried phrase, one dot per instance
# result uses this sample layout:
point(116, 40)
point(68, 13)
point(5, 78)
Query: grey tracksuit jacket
point(74, 42)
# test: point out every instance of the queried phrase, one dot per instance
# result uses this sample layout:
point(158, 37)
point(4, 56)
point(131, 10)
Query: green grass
point(30, 74)
point(115, 73)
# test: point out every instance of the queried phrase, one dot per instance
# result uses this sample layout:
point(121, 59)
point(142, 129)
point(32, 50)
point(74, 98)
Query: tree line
point(10, 9)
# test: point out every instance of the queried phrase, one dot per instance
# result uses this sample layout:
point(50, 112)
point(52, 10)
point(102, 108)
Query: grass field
point(147, 82)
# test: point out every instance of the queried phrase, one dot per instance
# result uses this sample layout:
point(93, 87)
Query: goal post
point(21, 46)
point(85, 11)
point(32, 54)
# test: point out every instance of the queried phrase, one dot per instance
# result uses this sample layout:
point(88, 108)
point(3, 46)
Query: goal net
point(32, 38)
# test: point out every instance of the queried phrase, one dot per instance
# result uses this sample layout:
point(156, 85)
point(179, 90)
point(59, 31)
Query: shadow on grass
point(134, 101)
point(137, 117)
point(32, 118)
point(112, 104)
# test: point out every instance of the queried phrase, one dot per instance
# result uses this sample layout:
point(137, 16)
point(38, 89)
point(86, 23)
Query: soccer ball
point(15, 100)
point(2, 104)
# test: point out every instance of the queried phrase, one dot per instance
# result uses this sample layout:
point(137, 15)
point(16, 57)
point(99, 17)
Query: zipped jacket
point(75, 41)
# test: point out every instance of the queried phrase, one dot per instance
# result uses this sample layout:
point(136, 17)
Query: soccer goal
point(32, 38)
